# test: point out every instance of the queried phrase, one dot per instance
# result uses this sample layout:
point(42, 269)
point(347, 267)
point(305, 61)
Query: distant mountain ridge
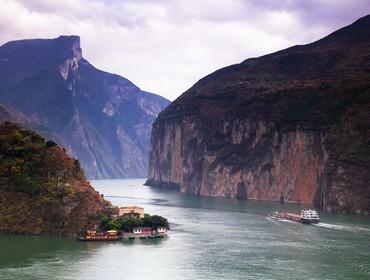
point(105, 118)
point(8, 114)
point(289, 126)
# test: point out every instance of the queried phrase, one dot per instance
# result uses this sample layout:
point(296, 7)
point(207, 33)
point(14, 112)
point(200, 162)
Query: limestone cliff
point(293, 126)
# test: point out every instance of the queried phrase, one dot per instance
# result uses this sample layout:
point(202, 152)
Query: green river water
point(210, 238)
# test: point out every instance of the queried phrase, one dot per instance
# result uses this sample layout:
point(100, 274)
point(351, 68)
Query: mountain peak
point(106, 118)
point(72, 43)
point(63, 47)
point(69, 38)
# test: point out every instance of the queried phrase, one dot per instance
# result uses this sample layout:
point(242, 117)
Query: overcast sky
point(165, 46)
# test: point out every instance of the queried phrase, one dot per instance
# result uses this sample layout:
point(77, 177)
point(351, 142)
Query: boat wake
point(276, 221)
point(330, 226)
point(362, 267)
point(272, 220)
point(348, 228)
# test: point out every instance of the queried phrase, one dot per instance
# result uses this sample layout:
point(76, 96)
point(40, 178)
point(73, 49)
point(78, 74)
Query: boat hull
point(307, 221)
point(293, 218)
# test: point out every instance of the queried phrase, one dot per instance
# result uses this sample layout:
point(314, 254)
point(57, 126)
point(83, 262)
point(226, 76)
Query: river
point(210, 238)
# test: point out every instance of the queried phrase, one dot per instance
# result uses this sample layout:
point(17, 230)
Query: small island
point(128, 223)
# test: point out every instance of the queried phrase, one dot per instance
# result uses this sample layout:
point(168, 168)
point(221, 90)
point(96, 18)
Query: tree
point(128, 223)
point(155, 221)
point(50, 144)
point(113, 225)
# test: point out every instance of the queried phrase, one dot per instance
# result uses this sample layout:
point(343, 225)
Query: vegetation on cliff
point(42, 189)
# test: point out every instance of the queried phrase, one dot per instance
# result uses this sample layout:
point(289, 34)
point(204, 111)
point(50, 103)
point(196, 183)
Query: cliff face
point(293, 125)
point(104, 119)
point(42, 189)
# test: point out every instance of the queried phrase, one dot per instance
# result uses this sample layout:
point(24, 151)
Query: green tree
point(113, 225)
point(155, 221)
point(128, 223)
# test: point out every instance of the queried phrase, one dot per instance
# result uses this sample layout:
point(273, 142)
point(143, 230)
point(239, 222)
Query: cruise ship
point(307, 216)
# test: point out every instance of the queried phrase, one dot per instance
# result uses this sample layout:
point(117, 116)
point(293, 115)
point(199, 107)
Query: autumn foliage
point(42, 189)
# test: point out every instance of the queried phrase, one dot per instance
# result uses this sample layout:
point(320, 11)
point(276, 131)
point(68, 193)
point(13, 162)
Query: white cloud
point(166, 46)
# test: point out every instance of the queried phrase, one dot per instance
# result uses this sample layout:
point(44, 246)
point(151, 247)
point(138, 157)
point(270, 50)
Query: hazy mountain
point(105, 118)
point(293, 125)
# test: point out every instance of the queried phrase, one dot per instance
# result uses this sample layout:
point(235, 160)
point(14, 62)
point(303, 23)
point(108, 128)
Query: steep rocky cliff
point(42, 189)
point(104, 118)
point(292, 126)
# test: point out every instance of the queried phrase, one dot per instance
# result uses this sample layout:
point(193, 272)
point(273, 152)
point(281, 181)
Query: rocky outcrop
point(104, 118)
point(291, 126)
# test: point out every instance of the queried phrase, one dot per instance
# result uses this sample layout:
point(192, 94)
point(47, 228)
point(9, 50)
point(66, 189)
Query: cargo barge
point(307, 216)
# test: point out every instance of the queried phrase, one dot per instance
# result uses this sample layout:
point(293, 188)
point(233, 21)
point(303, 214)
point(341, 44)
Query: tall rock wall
point(292, 126)
point(274, 166)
